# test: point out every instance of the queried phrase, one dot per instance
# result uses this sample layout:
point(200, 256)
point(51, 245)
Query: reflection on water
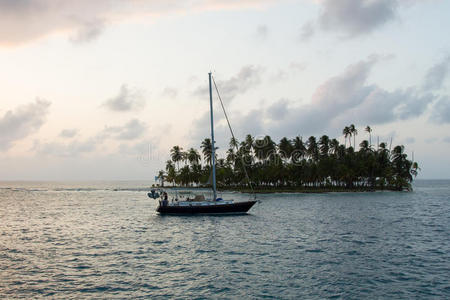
point(104, 239)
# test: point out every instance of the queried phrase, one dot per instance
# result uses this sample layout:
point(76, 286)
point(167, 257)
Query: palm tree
point(414, 169)
point(299, 149)
point(401, 167)
point(185, 176)
point(161, 177)
point(231, 156)
point(196, 173)
point(313, 149)
point(170, 171)
point(177, 155)
point(269, 147)
point(169, 164)
point(285, 148)
point(233, 143)
point(324, 145)
point(364, 145)
point(193, 156)
point(207, 150)
point(249, 141)
point(369, 130)
point(346, 132)
point(263, 147)
point(353, 132)
point(334, 146)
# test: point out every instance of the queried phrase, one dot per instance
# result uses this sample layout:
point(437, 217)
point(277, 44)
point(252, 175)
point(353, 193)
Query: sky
point(101, 90)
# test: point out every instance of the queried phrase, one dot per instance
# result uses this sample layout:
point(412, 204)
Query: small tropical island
point(294, 165)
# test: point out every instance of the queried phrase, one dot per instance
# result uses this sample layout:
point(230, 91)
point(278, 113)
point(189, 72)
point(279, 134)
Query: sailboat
point(200, 205)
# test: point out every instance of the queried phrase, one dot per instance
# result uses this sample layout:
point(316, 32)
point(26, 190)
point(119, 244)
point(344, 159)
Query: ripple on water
point(93, 242)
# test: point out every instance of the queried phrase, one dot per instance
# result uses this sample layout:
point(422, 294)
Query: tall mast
point(213, 150)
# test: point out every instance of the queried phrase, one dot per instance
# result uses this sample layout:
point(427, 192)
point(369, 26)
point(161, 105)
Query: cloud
point(24, 20)
point(262, 31)
point(349, 98)
point(279, 75)
point(130, 131)
point(356, 17)
point(72, 149)
point(441, 111)
point(126, 100)
point(68, 133)
point(346, 98)
point(278, 110)
point(307, 31)
point(296, 66)
point(248, 77)
point(170, 92)
point(437, 75)
point(410, 140)
point(88, 31)
point(353, 18)
point(282, 75)
point(431, 140)
point(22, 122)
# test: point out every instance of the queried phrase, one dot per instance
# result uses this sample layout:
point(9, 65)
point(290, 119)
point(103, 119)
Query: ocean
point(65, 240)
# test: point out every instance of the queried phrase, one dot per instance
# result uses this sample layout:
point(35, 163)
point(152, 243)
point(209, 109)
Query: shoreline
point(298, 190)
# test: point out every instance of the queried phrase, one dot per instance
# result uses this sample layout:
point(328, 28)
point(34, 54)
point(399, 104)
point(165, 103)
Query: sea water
point(105, 240)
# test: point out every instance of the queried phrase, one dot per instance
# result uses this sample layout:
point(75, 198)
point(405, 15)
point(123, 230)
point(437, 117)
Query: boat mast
point(213, 150)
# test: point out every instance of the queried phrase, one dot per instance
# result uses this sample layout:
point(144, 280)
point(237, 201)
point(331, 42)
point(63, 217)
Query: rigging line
point(232, 134)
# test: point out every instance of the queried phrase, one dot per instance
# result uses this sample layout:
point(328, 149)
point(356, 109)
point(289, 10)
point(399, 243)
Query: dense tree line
point(295, 163)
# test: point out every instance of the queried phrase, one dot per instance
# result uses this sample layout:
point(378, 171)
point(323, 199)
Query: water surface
point(105, 240)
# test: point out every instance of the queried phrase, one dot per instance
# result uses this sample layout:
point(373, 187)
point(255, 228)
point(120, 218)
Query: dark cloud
point(356, 17)
point(437, 75)
point(346, 98)
point(278, 110)
point(341, 100)
point(126, 100)
point(68, 133)
point(245, 79)
point(349, 97)
point(353, 18)
point(25, 20)
point(22, 122)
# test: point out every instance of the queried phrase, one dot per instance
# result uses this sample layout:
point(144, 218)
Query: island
point(259, 164)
